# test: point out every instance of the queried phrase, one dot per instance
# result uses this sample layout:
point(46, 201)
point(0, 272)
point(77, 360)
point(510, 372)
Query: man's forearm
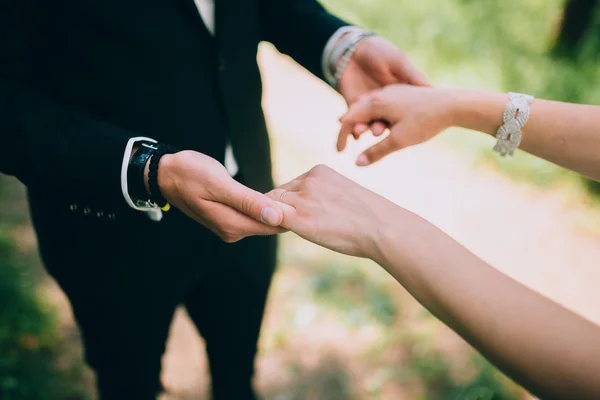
point(48, 147)
point(299, 28)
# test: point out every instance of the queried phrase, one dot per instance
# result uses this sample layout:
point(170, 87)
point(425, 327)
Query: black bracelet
point(155, 195)
point(135, 174)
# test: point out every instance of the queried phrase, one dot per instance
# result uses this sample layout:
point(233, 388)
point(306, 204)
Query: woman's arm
point(549, 350)
point(566, 134)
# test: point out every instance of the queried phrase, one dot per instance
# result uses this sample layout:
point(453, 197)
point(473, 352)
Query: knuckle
point(395, 141)
point(230, 237)
point(246, 204)
point(377, 99)
point(311, 182)
point(320, 170)
point(229, 234)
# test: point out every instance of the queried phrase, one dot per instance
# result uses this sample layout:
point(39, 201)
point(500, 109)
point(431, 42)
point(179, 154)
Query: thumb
point(252, 203)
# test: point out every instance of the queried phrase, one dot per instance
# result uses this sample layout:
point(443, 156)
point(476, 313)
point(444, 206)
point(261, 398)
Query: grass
point(407, 353)
point(29, 337)
point(36, 359)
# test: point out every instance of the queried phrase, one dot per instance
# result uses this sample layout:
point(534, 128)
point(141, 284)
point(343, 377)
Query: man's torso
point(153, 67)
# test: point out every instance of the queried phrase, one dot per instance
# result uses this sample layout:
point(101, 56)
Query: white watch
point(152, 210)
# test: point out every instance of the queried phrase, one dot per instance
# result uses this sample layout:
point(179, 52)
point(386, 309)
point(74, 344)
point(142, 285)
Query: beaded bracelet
point(155, 194)
point(516, 115)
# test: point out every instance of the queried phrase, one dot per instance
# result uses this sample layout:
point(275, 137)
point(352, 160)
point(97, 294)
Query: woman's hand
point(330, 210)
point(414, 114)
point(376, 63)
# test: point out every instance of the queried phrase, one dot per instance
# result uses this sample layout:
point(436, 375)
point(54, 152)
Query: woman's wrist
point(405, 246)
point(389, 235)
point(478, 110)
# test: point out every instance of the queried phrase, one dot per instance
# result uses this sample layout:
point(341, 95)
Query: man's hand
point(376, 63)
point(201, 188)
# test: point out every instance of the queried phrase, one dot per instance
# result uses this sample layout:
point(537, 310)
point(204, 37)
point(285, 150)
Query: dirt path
point(529, 234)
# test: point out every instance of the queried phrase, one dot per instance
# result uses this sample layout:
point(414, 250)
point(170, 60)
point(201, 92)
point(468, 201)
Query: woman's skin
point(563, 133)
point(549, 350)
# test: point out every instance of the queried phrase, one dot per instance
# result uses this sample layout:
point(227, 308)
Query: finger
point(241, 227)
point(277, 195)
point(291, 199)
point(378, 151)
point(250, 202)
point(361, 112)
point(291, 220)
point(342, 141)
point(233, 225)
point(294, 184)
point(364, 111)
point(378, 128)
point(359, 129)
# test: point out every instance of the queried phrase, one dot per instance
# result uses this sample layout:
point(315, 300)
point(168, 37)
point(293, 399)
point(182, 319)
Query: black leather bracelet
point(155, 195)
point(135, 174)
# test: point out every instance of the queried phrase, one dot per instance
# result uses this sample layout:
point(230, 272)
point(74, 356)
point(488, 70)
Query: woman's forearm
point(563, 133)
point(548, 349)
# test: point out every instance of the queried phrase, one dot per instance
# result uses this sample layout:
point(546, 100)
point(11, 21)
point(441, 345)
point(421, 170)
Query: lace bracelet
point(514, 118)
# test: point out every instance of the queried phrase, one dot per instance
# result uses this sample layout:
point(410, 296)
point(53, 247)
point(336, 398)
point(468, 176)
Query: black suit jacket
point(78, 78)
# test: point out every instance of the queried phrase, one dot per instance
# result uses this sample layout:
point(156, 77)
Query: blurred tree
point(578, 19)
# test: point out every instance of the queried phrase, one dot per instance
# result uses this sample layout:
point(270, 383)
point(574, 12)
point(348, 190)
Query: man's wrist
point(153, 212)
point(164, 178)
point(154, 187)
point(340, 43)
point(135, 173)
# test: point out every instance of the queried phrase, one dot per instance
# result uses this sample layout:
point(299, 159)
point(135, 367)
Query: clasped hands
point(383, 91)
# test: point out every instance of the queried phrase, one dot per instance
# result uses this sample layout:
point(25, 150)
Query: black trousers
point(125, 277)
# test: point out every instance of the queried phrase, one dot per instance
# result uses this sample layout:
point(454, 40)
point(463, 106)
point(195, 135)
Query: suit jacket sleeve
point(300, 29)
point(46, 146)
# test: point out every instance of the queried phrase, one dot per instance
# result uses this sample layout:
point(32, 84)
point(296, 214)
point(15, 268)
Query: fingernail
point(362, 161)
point(270, 216)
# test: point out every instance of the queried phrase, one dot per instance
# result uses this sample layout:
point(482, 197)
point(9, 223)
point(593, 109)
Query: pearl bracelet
point(514, 118)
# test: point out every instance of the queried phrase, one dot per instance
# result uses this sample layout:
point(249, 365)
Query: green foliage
point(28, 336)
point(354, 295)
point(493, 45)
point(358, 294)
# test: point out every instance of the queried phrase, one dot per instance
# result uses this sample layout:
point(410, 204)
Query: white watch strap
point(153, 212)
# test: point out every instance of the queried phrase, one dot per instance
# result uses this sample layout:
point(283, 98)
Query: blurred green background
point(499, 45)
point(508, 45)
